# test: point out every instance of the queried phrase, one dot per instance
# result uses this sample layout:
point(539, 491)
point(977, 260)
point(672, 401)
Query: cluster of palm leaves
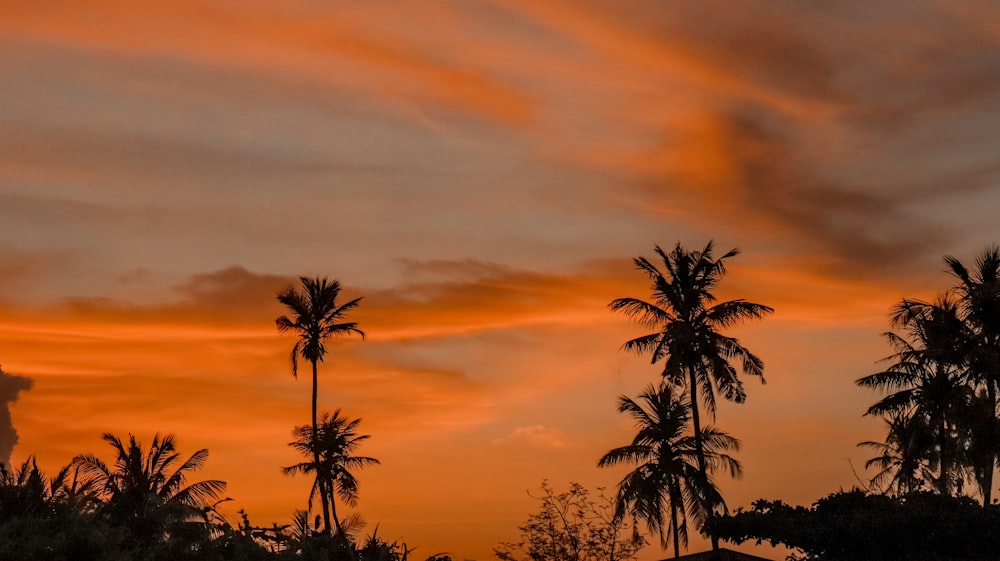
point(674, 455)
point(147, 491)
point(336, 440)
point(941, 409)
point(139, 506)
point(142, 506)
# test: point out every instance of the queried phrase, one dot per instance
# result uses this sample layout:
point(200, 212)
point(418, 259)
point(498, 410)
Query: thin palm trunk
point(698, 446)
point(675, 529)
point(991, 439)
point(319, 469)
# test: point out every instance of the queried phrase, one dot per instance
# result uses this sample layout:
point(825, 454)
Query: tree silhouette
point(979, 294)
point(857, 526)
point(901, 463)
point(26, 491)
point(945, 380)
point(315, 316)
point(572, 526)
point(930, 399)
point(335, 442)
point(147, 491)
point(667, 472)
point(687, 339)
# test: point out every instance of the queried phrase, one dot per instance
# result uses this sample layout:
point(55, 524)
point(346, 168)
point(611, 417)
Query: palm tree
point(931, 398)
point(25, 491)
point(667, 472)
point(947, 376)
point(979, 294)
point(687, 324)
point(315, 317)
point(147, 490)
point(333, 443)
point(902, 462)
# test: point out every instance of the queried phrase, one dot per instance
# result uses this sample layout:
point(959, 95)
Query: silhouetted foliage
point(941, 410)
point(571, 526)
point(666, 479)
point(334, 443)
point(315, 317)
point(42, 518)
point(856, 526)
point(687, 337)
point(141, 508)
point(146, 492)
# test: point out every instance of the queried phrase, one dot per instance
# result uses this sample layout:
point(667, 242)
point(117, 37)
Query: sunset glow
point(482, 174)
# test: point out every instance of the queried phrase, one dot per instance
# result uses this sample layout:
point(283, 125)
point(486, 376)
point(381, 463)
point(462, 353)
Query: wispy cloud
point(535, 435)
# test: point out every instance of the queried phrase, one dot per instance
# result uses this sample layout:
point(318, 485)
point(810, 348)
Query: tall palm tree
point(315, 317)
point(667, 473)
point(979, 294)
point(334, 443)
point(687, 338)
point(147, 490)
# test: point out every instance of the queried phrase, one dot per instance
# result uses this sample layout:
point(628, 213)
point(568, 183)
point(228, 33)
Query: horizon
point(481, 174)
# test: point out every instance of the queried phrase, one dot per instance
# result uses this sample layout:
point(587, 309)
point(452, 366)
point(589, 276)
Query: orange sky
point(482, 174)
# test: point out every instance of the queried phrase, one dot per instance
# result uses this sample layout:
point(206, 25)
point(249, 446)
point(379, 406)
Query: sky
point(482, 174)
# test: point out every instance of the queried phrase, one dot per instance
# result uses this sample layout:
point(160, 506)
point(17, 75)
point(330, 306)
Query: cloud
point(232, 296)
point(358, 49)
point(779, 126)
point(449, 297)
point(537, 436)
point(747, 164)
point(10, 387)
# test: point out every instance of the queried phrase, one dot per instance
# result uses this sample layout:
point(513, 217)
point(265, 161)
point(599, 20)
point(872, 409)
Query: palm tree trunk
point(991, 441)
point(699, 448)
point(673, 525)
point(320, 475)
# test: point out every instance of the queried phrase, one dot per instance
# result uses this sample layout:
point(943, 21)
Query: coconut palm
point(26, 491)
point(979, 293)
point(334, 443)
point(901, 465)
point(947, 375)
point(687, 338)
point(931, 398)
point(315, 317)
point(667, 473)
point(147, 490)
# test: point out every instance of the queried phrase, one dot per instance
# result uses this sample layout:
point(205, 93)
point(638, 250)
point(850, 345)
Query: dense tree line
point(141, 507)
point(861, 526)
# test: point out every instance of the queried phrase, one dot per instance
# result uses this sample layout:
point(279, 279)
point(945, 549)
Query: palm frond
point(200, 493)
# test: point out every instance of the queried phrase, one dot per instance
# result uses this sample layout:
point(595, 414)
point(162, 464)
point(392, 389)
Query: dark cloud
point(10, 387)
point(873, 121)
point(764, 178)
point(233, 290)
point(776, 181)
point(767, 44)
point(226, 296)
